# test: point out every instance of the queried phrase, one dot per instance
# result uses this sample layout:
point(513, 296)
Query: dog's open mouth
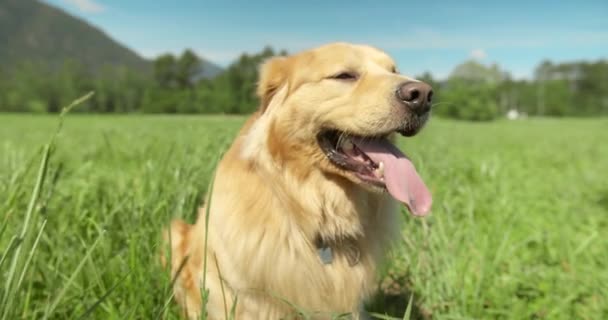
point(376, 161)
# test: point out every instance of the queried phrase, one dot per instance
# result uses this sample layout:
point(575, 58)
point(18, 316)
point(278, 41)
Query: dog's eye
point(346, 76)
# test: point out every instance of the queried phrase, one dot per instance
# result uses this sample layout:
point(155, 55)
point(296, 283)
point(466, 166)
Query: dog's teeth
point(379, 172)
point(347, 145)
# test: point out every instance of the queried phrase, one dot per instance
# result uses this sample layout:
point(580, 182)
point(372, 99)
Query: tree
point(472, 70)
point(165, 70)
point(471, 92)
point(188, 67)
point(234, 90)
point(461, 100)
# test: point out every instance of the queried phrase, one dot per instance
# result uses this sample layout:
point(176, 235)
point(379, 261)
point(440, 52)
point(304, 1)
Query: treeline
point(174, 86)
point(473, 91)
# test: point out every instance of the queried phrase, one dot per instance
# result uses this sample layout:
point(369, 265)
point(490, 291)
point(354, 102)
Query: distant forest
point(48, 38)
point(473, 91)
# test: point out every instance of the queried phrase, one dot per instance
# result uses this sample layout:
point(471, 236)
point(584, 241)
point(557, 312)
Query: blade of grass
point(204, 291)
point(12, 244)
point(301, 311)
point(66, 285)
point(408, 310)
point(31, 254)
point(342, 316)
point(16, 187)
point(219, 276)
point(103, 297)
point(207, 210)
point(233, 308)
point(5, 223)
point(177, 273)
point(382, 316)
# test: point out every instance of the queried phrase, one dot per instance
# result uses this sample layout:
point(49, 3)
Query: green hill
point(34, 31)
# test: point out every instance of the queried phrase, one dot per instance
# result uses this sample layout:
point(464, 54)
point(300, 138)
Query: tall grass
point(520, 209)
point(22, 246)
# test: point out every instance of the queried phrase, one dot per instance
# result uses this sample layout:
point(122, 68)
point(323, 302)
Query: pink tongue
point(400, 176)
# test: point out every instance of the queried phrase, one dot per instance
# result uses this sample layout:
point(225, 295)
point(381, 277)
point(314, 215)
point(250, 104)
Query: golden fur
point(276, 194)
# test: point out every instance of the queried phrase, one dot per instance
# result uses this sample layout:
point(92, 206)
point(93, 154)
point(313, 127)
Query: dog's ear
point(273, 74)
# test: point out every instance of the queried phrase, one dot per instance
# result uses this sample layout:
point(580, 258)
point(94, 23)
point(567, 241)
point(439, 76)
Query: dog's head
point(336, 109)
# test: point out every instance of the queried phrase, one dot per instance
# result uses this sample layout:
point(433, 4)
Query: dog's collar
point(347, 247)
point(325, 254)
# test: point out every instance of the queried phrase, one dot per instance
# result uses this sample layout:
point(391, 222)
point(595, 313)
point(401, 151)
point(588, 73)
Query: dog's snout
point(417, 96)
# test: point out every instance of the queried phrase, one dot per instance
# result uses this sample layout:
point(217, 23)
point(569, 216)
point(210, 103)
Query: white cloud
point(478, 54)
point(87, 6)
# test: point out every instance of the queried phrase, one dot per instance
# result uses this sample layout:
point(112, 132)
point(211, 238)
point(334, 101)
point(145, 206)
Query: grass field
point(519, 228)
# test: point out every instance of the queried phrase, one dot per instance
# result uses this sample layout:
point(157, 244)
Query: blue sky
point(421, 35)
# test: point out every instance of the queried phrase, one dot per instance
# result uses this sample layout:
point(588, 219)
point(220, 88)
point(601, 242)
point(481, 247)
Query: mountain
point(31, 30)
point(34, 31)
point(208, 70)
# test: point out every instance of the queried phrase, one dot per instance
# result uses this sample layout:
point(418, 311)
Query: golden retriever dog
point(305, 202)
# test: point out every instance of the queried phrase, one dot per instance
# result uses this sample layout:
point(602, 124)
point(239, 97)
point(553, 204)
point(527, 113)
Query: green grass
point(519, 226)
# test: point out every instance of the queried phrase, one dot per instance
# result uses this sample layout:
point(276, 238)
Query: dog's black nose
point(416, 95)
